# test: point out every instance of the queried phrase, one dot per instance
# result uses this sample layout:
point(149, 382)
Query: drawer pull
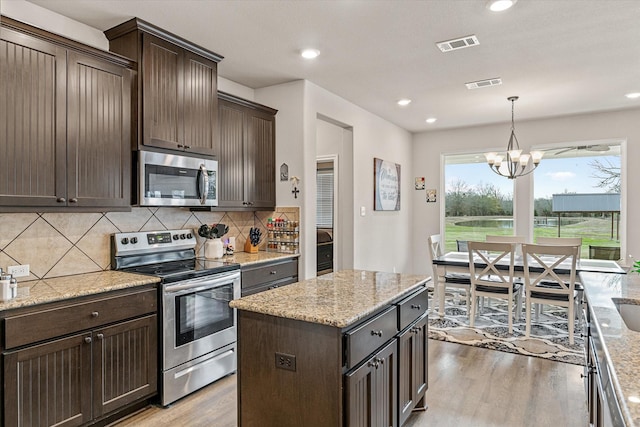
point(415, 330)
point(95, 314)
point(273, 287)
point(61, 200)
point(416, 306)
point(73, 200)
point(87, 340)
point(378, 333)
point(273, 272)
point(100, 336)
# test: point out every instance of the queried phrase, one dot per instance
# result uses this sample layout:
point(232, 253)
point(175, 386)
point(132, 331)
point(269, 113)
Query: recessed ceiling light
point(500, 5)
point(431, 120)
point(310, 53)
point(404, 102)
point(633, 95)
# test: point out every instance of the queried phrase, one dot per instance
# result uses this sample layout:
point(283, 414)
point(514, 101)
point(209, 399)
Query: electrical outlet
point(286, 361)
point(18, 270)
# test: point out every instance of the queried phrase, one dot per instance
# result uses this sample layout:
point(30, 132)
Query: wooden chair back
point(435, 246)
point(548, 258)
point(561, 241)
point(484, 258)
point(518, 240)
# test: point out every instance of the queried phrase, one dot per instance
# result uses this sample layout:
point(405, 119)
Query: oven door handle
point(203, 184)
point(200, 284)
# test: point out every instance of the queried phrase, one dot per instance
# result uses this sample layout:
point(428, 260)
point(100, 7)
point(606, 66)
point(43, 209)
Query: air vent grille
point(455, 44)
point(484, 83)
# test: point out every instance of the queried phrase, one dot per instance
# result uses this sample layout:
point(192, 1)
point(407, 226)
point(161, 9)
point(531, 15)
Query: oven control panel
point(152, 241)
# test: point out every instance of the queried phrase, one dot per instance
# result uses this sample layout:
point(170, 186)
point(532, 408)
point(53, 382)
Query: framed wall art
point(386, 185)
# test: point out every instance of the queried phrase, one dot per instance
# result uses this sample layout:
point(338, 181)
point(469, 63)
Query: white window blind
point(324, 205)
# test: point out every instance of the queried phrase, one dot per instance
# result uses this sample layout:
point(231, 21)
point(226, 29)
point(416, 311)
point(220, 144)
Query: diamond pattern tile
point(130, 221)
point(96, 244)
point(40, 238)
point(60, 244)
point(72, 225)
point(73, 262)
point(11, 225)
point(173, 219)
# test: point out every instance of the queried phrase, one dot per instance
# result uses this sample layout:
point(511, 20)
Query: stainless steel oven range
point(198, 328)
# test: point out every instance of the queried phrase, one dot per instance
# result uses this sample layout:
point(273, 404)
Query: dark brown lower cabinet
point(80, 361)
point(72, 381)
point(372, 391)
point(49, 384)
point(412, 380)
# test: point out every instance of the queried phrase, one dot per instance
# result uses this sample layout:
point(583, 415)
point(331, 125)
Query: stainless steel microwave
point(177, 180)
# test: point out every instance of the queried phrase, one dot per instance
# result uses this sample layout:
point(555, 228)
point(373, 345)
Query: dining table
point(458, 262)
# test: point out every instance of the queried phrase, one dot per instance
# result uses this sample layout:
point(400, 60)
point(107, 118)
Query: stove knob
point(175, 237)
point(125, 240)
point(189, 236)
point(134, 240)
point(182, 236)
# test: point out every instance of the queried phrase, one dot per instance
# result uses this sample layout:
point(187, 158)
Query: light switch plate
point(363, 211)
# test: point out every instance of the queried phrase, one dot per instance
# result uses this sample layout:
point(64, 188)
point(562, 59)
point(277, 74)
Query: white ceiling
point(560, 56)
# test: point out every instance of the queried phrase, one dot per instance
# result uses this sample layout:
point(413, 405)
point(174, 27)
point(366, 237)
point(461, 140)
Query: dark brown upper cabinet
point(65, 115)
point(246, 159)
point(177, 88)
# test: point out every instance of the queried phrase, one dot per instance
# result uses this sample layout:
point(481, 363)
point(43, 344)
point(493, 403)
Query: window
point(577, 194)
point(324, 203)
point(477, 201)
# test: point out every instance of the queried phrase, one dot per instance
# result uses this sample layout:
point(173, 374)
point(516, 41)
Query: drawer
point(369, 336)
point(62, 320)
point(271, 285)
point(271, 272)
point(412, 307)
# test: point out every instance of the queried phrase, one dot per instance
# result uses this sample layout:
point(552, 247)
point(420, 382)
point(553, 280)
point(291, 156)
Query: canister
point(5, 287)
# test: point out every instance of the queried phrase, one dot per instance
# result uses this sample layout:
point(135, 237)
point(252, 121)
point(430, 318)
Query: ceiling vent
point(456, 44)
point(484, 83)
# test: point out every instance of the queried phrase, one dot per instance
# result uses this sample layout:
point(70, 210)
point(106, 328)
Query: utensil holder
point(248, 247)
point(213, 248)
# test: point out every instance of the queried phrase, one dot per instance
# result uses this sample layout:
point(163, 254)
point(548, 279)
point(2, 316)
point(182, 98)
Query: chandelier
point(514, 163)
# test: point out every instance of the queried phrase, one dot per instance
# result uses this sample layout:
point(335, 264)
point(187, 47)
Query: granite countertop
point(622, 344)
point(65, 287)
point(61, 288)
point(337, 299)
point(246, 258)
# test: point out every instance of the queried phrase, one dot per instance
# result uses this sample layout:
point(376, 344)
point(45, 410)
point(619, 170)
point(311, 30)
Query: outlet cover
point(286, 361)
point(18, 270)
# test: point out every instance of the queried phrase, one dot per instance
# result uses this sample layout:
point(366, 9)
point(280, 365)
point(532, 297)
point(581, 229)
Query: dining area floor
point(468, 386)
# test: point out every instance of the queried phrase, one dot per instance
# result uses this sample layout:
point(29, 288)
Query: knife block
point(248, 247)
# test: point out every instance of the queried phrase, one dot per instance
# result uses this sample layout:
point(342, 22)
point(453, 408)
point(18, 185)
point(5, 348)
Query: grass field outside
point(594, 231)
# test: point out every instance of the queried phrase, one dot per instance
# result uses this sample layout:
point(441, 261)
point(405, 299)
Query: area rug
point(549, 338)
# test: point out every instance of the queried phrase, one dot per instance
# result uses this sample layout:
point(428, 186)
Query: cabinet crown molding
point(137, 24)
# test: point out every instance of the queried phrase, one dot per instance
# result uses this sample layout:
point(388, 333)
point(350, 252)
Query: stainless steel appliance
point(198, 328)
point(176, 180)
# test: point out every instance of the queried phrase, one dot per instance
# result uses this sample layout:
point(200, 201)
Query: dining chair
point(461, 245)
point(544, 286)
point(518, 240)
point(489, 278)
point(562, 241)
point(453, 280)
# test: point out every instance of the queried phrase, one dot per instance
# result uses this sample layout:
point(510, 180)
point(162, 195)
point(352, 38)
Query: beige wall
point(429, 147)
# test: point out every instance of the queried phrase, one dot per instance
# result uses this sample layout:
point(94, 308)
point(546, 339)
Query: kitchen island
point(613, 347)
point(325, 351)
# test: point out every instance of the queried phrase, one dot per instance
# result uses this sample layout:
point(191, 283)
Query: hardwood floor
point(468, 386)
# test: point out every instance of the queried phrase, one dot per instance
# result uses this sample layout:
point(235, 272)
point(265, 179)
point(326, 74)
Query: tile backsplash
point(60, 244)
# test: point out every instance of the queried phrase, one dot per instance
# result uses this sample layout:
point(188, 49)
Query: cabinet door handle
point(61, 200)
point(186, 147)
point(415, 306)
point(180, 146)
point(73, 200)
point(378, 333)
point(87, 340)
point(273, 272)
point(100, 336)
point(95, 314)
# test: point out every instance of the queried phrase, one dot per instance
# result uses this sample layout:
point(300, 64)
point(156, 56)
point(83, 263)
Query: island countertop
point(621, 343)
point(337, 299)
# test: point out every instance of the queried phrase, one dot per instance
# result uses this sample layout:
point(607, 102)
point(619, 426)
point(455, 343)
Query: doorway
point(326, 212)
